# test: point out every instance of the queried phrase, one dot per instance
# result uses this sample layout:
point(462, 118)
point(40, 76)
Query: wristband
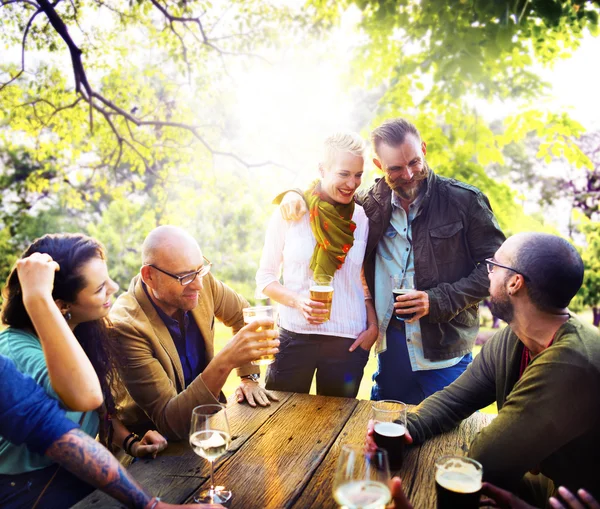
point(130, 445)
point(131, 435)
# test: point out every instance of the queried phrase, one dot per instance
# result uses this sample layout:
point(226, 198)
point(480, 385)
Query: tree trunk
point(596, 311)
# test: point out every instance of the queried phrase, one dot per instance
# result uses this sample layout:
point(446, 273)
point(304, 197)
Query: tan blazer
point(150, 365)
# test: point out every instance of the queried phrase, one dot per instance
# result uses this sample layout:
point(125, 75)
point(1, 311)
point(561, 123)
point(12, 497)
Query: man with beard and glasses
point(543, 370)
point(439, 231)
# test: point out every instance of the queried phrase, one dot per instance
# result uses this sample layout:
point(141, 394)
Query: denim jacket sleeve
point(484, 237)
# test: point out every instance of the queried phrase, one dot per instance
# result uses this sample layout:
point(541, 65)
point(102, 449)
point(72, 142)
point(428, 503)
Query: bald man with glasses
point(164, 327)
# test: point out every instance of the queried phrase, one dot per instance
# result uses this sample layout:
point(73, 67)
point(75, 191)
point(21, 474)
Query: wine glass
point(362, 478)
point(210, 438)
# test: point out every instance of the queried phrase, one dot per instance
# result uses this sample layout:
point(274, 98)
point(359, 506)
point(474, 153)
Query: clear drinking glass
point(256, 313)
point(458, 482)
point(389, 420)
point(362, 478)
point(210, 438)
point(401, 285)
point(321, 290)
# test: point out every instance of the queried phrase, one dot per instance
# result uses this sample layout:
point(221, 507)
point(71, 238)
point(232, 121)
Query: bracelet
point(153, 503)
point(131, 435)
point(372, 323)
point(130, 445)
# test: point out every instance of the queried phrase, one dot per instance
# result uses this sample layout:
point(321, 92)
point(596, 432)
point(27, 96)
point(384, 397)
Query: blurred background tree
point(116, 117)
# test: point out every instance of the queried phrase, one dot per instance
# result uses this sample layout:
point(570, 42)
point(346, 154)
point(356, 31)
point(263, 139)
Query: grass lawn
point(223, 334)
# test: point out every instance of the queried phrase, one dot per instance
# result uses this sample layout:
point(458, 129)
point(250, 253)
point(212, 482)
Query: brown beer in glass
point(321, 290)
point(389, 419)
point(255, 313)
point(458, 482)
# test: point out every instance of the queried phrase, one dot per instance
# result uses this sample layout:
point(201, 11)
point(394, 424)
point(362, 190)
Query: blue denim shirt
point(188, 341)
point(395, 255)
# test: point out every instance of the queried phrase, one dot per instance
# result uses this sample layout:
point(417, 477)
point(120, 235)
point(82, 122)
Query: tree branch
point(105, 106)
point(28, 2)
point(23, 42)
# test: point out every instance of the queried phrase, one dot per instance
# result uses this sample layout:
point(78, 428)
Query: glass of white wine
point(210, 438)
point(362, 478)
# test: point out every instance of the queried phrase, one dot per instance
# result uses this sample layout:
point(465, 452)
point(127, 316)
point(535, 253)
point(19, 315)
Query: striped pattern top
point(290, 244)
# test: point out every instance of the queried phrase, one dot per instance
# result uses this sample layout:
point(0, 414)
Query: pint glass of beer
point(401, 285)
point(321, 290)
point(256, 313)
point(389, 418)
point(457, 482)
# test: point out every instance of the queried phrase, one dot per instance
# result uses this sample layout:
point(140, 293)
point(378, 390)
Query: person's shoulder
point(579, 339)
point(126, 308)
point(14, 341)
point(502, 339)
point(458, 187)
point(359, 213)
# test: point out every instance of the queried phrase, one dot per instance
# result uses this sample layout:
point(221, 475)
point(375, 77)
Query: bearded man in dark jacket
point(438, 232)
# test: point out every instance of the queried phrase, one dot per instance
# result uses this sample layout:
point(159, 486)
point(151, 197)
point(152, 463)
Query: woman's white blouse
point(291, 244)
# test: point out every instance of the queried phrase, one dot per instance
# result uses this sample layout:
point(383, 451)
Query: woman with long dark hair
point(81, 292)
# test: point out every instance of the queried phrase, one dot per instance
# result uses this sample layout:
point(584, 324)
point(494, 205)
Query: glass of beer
point(401, 285)
point(389, 418)
point(256, 313)
point(361, 478)
point(457, 482)
point(321, 290)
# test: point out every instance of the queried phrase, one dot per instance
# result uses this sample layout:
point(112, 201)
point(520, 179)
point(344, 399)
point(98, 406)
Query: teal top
point(26, 352)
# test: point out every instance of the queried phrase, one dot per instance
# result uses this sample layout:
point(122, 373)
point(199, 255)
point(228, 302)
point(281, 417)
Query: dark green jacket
point(453, 233)
point(548, 420)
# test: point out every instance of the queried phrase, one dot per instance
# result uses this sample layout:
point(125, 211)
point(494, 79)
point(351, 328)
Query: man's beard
point(410, 194)
point(501, 307)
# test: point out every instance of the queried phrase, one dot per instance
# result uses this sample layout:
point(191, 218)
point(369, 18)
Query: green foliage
point(589, 295)
point(467, 46)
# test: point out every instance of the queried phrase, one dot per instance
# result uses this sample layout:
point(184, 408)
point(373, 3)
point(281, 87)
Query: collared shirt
point(395, 255)
point(288, 248)
point(188, 341)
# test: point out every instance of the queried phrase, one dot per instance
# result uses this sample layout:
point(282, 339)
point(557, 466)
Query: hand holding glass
point(210, 439)
point(321, 290)
point(362, 478)
point(257, 313)
point(402, 284)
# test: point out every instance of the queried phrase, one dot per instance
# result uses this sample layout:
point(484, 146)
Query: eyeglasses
point(490, 264)
point(189, 278)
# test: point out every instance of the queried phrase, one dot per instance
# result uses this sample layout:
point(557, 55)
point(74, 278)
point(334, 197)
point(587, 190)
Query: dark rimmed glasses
point(491, 263)
point(189, 278)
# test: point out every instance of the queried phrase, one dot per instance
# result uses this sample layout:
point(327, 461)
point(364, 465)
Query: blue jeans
point(22, 490)
point(339, 371)
point(395, 379)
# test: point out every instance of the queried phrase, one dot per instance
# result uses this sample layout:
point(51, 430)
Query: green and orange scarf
point(333, 229)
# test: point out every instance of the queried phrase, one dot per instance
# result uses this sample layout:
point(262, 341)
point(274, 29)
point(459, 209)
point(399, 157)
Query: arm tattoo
point(89, 460)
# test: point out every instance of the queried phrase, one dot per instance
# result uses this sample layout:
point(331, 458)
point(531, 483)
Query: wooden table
point(284, 456)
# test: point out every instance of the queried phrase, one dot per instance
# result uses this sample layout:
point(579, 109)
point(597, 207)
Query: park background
point(116, 116)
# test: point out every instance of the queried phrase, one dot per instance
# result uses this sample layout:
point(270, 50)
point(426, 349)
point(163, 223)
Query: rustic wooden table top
point(284, 456)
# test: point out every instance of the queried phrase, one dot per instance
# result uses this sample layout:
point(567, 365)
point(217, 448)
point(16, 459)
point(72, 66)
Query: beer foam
point(390, 429)
point(459, 482)
point(321, 288)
